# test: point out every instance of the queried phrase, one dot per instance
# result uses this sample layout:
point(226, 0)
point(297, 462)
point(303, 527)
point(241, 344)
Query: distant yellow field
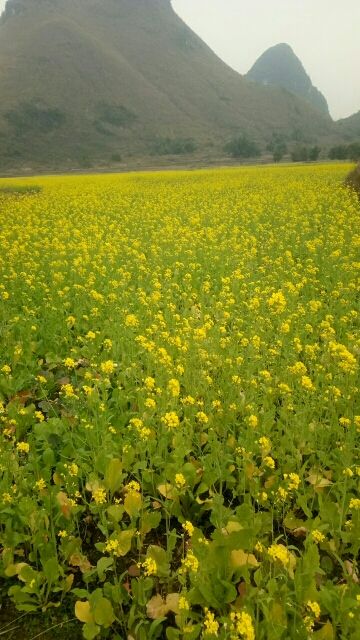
point(179, 399)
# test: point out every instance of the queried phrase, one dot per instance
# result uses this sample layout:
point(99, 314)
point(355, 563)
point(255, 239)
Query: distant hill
point(349, 128)
point(87, 80)
point(280, 67)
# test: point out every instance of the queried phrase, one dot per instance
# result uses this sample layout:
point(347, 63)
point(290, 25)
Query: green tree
point(314, 153)
point(279, 151)
point(300, 154)
point(354, 151)
point(242, 147)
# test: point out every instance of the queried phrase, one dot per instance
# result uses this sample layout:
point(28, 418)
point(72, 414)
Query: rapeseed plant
point(179, 403)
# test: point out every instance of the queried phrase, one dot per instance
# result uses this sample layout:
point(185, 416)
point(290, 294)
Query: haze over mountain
point(86, 79)
point(280, 67)
point(349, 128)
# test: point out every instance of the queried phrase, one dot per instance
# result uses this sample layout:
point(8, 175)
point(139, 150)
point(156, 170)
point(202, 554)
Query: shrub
point(116, 115)
point(279, 151)
point(30, 117)
point(242, 147)
point(354, 151)
point(314, 153)
point(116, 157)
point(345, 152)
point(300, 154)
point(173, 146)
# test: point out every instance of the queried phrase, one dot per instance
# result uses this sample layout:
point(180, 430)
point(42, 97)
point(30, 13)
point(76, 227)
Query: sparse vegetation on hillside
point(173, 146)
point(32, 118)
point(116, 115)
point(349, 128)
point(243, 147)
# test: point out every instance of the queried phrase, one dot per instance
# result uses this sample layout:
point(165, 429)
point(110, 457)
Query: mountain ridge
point(349, 128)
point(279, 66)
point(117, 76)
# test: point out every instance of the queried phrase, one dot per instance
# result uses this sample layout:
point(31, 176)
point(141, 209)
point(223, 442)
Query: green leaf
point(103, 565)
point(103, 613)
point(204, 594)
point(113, 475)
point(115, 512)
point(90, 631)
point(125, 540)
point(189, 472)
point(51, 570)
point(225, 591)
point(27, 574)
point(132, 504)
point(154, 626)
point(13, 569)
point(149, 521)
point(23, 601)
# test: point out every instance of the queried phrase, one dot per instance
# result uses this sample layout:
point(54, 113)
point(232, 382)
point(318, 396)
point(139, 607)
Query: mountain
point(280, 67)
point(349, 128)
point(86, 80)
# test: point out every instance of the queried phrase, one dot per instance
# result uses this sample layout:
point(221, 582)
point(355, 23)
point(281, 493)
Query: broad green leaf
point(103, 565)
point(27, 574)
point(160, 556)
point(113, 475)
point(149, 521)
point(14, 569)
point(125, 540)
point(132, 504)
point(51, 570)
point(90, 630)
point(115, 512)
point(103, 613)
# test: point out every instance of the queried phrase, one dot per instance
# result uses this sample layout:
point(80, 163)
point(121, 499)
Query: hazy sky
point(323, 33)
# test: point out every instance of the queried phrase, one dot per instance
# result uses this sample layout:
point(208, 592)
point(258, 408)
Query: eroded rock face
point(353, 180)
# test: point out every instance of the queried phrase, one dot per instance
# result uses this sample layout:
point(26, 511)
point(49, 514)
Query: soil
point(51, 625)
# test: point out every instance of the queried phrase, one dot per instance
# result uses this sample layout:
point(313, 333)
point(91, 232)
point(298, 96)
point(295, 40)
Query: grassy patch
point(20, 190)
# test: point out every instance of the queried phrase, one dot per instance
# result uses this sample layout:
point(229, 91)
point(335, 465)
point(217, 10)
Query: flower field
point(179, 403)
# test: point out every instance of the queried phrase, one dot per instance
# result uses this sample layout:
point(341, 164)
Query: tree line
point(245, 147)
